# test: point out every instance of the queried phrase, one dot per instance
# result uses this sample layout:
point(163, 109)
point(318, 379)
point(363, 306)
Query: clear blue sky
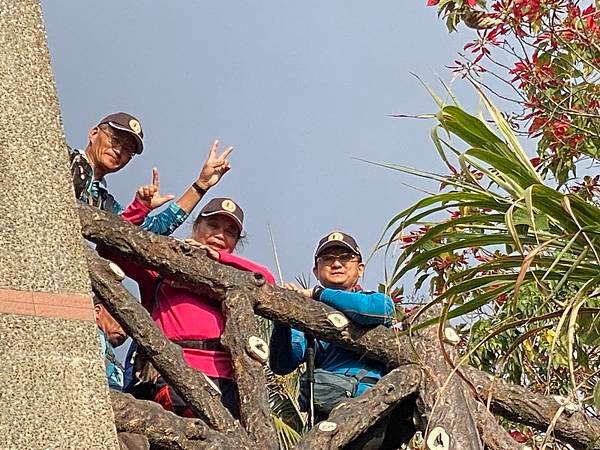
point(299, 88)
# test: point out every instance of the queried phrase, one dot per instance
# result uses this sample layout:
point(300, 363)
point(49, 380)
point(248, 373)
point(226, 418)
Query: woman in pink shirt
point(188, 319)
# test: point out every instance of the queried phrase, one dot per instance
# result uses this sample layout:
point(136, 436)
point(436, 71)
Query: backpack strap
point(155, 293)
point(110, 356)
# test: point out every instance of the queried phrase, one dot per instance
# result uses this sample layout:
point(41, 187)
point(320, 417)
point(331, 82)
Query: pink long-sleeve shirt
point(184, 315)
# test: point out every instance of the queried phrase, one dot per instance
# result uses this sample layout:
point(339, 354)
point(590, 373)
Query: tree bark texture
point(166, 357)
point(443, 401)
point(180, 262)
point(494, 436)
point(249, 353)
point(163, 429)
point(353, 417)
point(520, 405)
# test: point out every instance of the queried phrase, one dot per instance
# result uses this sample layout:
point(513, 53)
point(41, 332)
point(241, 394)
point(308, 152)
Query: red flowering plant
point(552, 74)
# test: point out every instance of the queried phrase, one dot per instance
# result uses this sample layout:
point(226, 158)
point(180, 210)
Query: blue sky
point(300, 89)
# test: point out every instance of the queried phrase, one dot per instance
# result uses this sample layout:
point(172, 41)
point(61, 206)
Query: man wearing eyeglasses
point(111, 146)
point(339, 373)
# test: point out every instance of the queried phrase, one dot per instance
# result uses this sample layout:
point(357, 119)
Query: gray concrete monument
point(53, 392)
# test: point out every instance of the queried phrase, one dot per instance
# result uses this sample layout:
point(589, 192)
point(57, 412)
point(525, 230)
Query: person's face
point(218, 232)
point(109, 149)
point(107, 323)
point(338, 268)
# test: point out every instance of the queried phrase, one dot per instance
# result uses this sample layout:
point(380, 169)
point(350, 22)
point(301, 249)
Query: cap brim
point(330, 244)
point(226, 213)
point(140, 142)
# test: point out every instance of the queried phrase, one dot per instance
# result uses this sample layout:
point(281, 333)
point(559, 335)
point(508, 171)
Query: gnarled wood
point(164, 429)
point(255, 413)
point(494, 436)
point(166, 357)
point(443, 400)
point(198, 274)
point(354, 416)
point(520, 405)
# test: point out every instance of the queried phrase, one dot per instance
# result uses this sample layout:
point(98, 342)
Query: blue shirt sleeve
point(117, 208)
point(167, 221)
point(363, 308)
point(286, 349)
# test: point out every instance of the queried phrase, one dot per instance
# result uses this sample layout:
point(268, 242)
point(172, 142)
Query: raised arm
point(168, 220)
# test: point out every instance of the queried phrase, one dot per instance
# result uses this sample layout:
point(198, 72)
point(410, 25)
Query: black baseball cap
point(338, 239)
point(223, 205)
point(126, 122)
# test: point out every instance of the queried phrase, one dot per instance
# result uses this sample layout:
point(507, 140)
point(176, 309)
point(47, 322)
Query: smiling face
point(218, 231)
point(109, 149)
point(337, 268)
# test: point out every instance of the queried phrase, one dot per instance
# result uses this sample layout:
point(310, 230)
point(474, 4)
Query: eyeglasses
point(118, 144)
point(344, 259)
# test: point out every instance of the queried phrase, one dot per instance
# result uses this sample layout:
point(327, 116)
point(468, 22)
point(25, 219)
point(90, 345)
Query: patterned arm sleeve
point(167, 221)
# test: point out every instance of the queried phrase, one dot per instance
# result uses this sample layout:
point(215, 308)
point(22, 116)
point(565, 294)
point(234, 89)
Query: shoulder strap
point(110, 356)
point(155, 293)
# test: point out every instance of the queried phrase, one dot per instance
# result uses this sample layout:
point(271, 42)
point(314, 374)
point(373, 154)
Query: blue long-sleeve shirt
point(288, 346)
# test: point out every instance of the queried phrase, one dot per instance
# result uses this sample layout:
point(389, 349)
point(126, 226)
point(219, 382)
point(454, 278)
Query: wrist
point(316, 293)
point(199, 188)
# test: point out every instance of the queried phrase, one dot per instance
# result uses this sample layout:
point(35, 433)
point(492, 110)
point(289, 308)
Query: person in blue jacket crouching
point(339, 373)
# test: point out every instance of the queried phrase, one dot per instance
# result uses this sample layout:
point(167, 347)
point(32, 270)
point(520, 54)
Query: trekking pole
point(310, 377)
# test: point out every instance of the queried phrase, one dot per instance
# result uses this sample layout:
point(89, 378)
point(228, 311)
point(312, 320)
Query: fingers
point(226, 153)
point(155, 181)
point(212, 153)
point(291, 286)
point(161, 200)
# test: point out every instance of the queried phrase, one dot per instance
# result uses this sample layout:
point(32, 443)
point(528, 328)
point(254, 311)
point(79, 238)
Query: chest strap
point(213, 345)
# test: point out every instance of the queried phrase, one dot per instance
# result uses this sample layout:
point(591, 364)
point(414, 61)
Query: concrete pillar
point(53, 392)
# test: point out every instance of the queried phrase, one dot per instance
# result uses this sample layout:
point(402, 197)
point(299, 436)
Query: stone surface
point(54, 392)
point(40, 239)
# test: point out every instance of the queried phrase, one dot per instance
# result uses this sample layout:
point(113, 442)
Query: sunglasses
point(344, 259)
point(118, 144)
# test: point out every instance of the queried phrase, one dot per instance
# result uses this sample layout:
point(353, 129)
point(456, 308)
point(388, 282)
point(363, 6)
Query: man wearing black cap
point(111, 145)
point(339, 373)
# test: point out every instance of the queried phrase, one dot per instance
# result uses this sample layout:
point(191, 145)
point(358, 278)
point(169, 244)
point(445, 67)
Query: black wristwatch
point(199, 189)
point(316, 292)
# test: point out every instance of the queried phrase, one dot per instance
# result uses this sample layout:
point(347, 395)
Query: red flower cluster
point(471, 3)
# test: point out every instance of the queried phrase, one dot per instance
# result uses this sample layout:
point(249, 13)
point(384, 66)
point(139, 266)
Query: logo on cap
point(228, 205)
point(135, 126)
point(336, 237)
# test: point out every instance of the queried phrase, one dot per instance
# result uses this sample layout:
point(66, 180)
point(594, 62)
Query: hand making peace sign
point(214, 167)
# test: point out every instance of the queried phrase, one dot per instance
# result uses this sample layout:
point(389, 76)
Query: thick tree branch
point(494, 436)
point(353, 417)
point(166, 357)
point(444, 398)
point(249, 353)
point(162, 428)
point(520, 405)
point(173, 259)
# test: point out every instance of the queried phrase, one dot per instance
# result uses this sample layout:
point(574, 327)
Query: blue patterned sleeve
point(167, 221)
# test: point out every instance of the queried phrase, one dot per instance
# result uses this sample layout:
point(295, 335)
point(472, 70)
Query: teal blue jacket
point(288, 346)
